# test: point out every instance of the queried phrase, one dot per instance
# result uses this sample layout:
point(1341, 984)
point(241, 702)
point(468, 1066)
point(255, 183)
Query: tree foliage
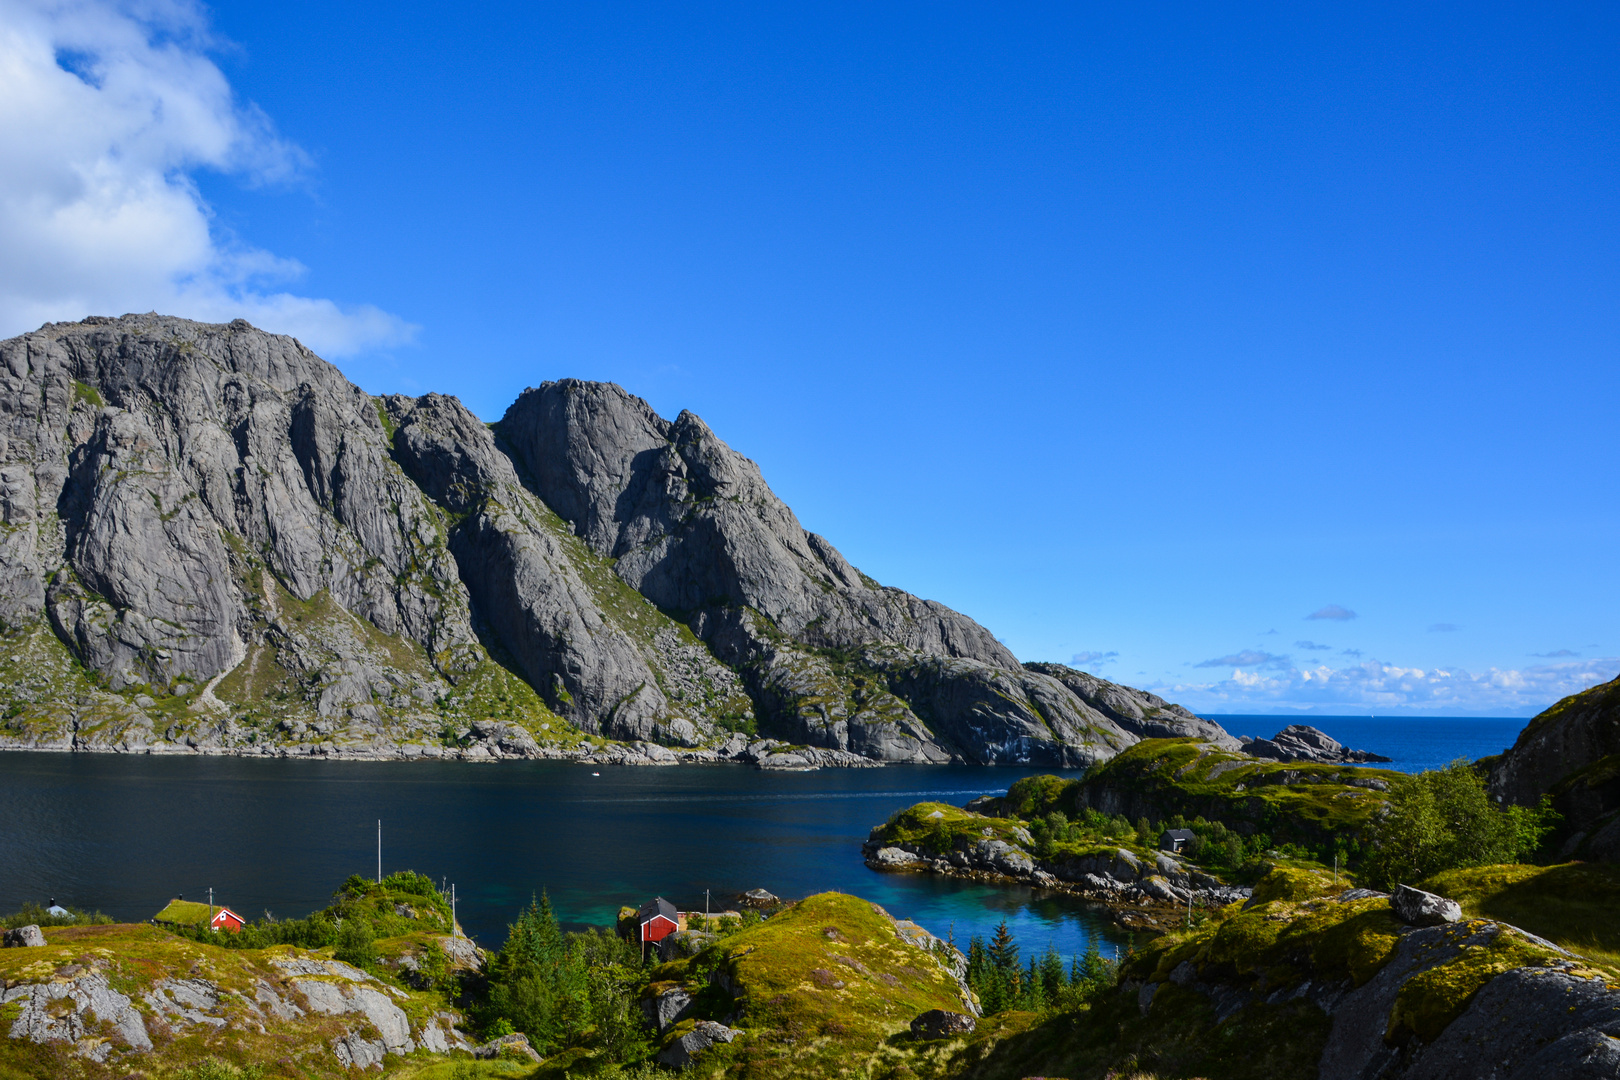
point(566, 990)
point(1043, 985)
point(1445, 820)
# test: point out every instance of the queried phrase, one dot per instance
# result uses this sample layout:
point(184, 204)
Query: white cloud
point(107, 112)
point(1378, 686)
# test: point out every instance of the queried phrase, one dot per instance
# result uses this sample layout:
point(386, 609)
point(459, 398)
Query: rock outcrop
point(24, 937)
point(1571, 752)
point(1301, 742)
point(1437, 1000)
point(942, 1024)
point(213, 542)
point(1115, 876)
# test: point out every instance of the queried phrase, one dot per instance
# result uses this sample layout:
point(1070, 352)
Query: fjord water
point(125, 834)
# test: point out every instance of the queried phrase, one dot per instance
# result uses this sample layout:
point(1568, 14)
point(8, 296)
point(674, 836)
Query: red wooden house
point(658, 919)
point(226, 919)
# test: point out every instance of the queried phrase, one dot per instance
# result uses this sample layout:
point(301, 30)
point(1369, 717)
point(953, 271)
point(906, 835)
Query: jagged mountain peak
point(239, 547)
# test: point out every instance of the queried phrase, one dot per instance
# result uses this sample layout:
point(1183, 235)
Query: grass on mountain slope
point(1576, 905)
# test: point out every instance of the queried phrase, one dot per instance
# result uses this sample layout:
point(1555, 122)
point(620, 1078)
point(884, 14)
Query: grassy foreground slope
point(826, 989)
point(1576, 905)
point(132, 999)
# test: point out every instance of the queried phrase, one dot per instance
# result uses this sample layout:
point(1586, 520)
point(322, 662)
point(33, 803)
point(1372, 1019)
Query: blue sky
point(1142, 335)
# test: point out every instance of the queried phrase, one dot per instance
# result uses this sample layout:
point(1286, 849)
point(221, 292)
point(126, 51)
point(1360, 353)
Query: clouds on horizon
point(110, 110)
point(1380, 686)
point(1248, 658)
point(1093, 659)
point(1332, 611)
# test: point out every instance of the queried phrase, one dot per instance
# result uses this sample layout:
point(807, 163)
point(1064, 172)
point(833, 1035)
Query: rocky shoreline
point(488, 743)
point(1143, 894)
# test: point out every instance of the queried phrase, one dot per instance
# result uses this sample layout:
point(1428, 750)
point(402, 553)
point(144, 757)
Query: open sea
point(125, 834)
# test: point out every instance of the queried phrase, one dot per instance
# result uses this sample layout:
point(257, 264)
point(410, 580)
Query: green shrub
point(1444, 820)
point(355, 944)
point(35, 915)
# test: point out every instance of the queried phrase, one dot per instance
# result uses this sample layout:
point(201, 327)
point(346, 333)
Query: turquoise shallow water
point(124, 834)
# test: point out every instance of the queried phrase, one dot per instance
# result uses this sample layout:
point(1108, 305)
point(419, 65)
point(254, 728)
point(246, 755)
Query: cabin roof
point(655, 907)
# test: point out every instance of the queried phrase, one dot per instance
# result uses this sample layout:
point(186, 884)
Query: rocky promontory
point(1571, 754)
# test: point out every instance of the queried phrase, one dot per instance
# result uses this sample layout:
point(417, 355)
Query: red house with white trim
point(658, 919)
point(226, 919)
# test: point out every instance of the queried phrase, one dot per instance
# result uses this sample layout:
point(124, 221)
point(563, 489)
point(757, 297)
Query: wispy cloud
point(1269, 633)
point(1248, 658)
point(111, 112)
point(1380, 686)
point(1349, 652)
point(1443, 628)
point(1332, 611)
point(1556, 654)
point(1311, 646)
point(1093, 659)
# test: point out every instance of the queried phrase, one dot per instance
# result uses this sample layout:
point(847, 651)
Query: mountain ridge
point(210, 539)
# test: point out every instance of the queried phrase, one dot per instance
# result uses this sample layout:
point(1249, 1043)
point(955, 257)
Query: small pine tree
point(1004, 950)
point(1051, 973)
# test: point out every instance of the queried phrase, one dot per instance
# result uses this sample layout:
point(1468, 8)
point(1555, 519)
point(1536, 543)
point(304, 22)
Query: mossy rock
point(1431, 1000)
point(1291, 883)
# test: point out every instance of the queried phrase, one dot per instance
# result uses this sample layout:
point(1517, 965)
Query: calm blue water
point(1416, 743)
point(125, 834)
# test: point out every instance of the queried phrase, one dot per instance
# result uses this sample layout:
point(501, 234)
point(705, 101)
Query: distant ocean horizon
point(1414, 742)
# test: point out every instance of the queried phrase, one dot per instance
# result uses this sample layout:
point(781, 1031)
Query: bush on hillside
point(1444, 820)
point(36, 915)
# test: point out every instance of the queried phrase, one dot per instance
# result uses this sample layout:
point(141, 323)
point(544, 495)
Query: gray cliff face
point(213, 541)
point(1572, 753)
point(601, 661)
point(1144, 715)
point(694, 527)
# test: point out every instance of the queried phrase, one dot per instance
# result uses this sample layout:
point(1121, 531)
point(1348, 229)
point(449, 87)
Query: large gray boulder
point(683, 1051)
point(23, 937)
point(665, 1009)
point(1418, 908)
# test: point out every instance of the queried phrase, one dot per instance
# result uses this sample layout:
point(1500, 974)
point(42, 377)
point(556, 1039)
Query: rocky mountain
point(211, 540)
point(1570, 752)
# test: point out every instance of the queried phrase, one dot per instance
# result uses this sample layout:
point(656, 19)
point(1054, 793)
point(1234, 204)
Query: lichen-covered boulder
point(666, 1007)
point(24, 937)
point(942, 1024)
point(705, 1033)
point(1418, 908)
point(515, 1045)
